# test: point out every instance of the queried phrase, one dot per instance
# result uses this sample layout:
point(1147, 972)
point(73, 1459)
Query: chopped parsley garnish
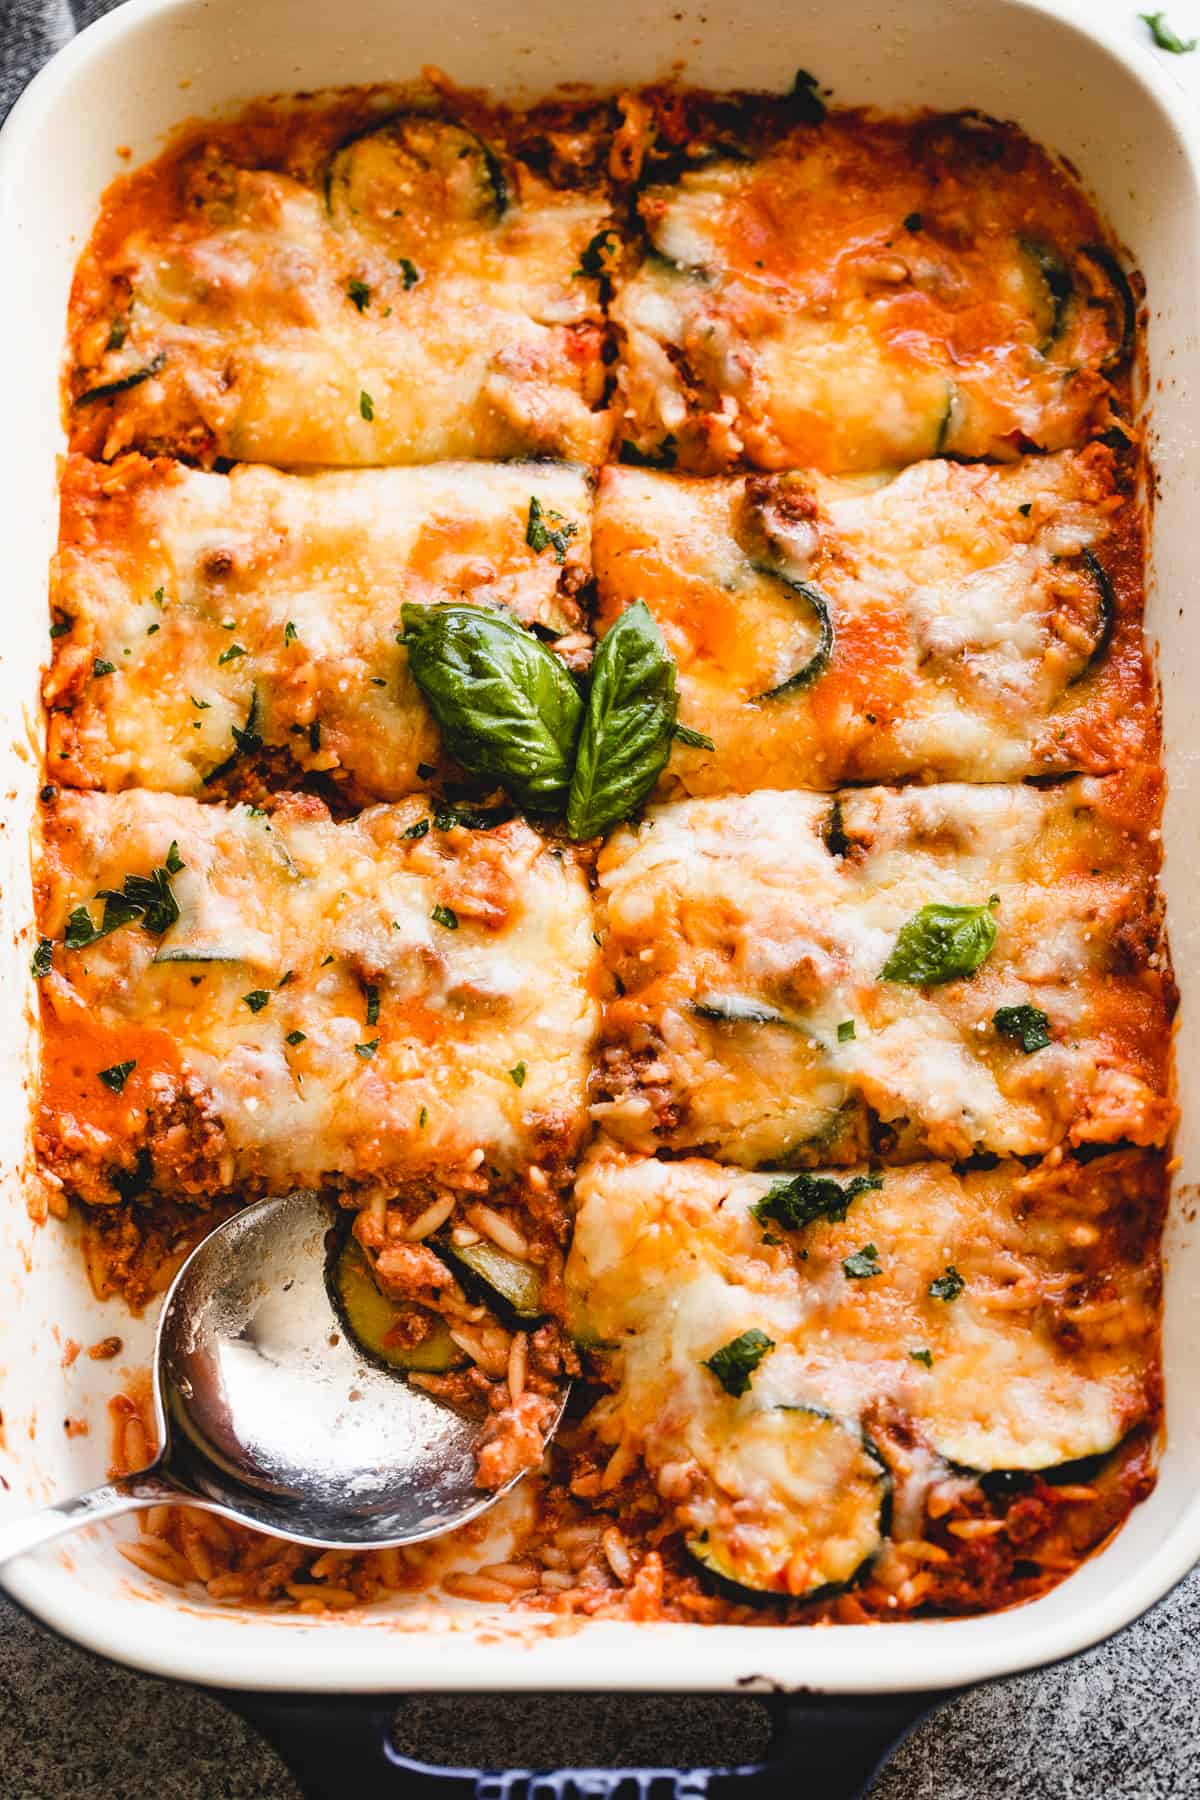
point(157, 596)
point(1025, 508)
point(42, 959)
point(845, 1032)
point(289, 975)
point(1026, 1025)
point(948, 1286)
point(540, 535)
point(862, 1264)
point(942, 943)
point(144, 899)
point(359, 293)
point(734, 1363)
point(366, 405)
point(371, 995)
point(1164, 37)
point(445, 915)
point(228, 656)
point(799, 1200)
point(922, 1356)
point(695, 740)
point(151, 629)
point(424, 1114)
point(100, 667)
point(418, 830)
point(410, 272)
point(61, 627)
point(201, 705)
point(257, 999)
point(367, 1051)
point(518, 1074)
point(116, 1077)
point(290, 634)
point(326, 960)
point(295, 1037)
point(912, 222)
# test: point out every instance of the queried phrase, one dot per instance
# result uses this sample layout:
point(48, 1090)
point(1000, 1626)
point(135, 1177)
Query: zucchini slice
point(412, 177)
point(1055, 276)
point(122, 383)
point(516, 1284)
point(740, 1009)
point(819, 605)
point(822, 1515)
point(371, 1318)
point(1107, 613)
point(1106, 261)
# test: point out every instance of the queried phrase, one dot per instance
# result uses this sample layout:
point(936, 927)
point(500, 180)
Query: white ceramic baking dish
point(113, 93)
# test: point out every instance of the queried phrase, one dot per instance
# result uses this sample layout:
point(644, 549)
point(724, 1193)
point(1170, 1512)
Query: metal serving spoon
point(269, 1414)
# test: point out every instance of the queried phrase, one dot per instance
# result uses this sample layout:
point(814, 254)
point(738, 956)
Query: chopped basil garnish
point(116, 1077)
point(100, 667)
point(734, 1363)
point(845, 1032)
point(228, 656)
point(912, 222)
point(540, 535)
point(418, 830)
point(366, 406)
point(410, 272)
point(201, 705)
point(295, 1037)
point(948, 1286)
point(290, 634)
point(1164, 37)
point(863, 1264)
point(922, 1356)
point(942, 943)
point(518, 1074)
point(359, 293)
point(1026, 1025)
point(256, 999)
point(695, 740)
point(246, 741)
point(626, 735)
point(421, 1118)
point(61, 628)
point(1025, 508)
point(798, 1200)
point(371, 995)
point(507, 706)
point(445, 915)
point(144, 899)
point(42, 959)
point(367, 1051)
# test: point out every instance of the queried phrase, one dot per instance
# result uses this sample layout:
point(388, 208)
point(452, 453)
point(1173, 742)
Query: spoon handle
point(35, 1529)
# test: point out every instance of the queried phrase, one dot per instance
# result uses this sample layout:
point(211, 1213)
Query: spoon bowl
point(270, 1414)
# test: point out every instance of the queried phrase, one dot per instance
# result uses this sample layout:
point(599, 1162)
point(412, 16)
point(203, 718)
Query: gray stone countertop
point(1120, 1723)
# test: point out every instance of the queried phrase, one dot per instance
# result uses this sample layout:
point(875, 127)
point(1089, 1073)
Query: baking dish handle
point(826, 1747)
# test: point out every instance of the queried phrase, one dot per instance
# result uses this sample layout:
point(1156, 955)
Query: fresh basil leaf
point(517, 1075)
point(296, 1037)
point(862, 1264)
point(42, 960)
point(845, 1032)
point(800, 1200)
point(257, 999)
point(947, 1287)
point(940, 944)
point(548, 530)
point(626, 736)
point(734, 1363)
point(507, 707)
point(1164, 37)
point(144, 899)
point(1026, 1025)
point(445, 916)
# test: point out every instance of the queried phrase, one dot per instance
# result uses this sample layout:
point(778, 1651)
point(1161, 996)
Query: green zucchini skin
point(494, 188)
point(367, 1315)
point(497, 1276)
point(1059, 285)
point(1106, 260)
point(108, 389)
point(819, 604)
point(736, 1009)
point(1108, 615)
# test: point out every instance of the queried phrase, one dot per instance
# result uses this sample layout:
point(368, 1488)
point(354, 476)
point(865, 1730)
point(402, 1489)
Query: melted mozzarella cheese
point(308, 1007)
point(742, 945)
point(961, 613)
point(217, 597)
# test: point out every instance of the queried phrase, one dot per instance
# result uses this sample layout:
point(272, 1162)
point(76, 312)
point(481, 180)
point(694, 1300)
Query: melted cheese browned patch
point(1047, 1351)
point(335, 1002)
point(971, 637)
point(233, 310)
point(864, 294)
point(197, 603)
point(748, 937)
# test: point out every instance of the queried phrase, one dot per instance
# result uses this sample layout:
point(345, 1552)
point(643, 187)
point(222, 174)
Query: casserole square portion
point(223, 634)
point(926, 971)
point(852, 293)
point(341, 287)
point(812, 1368)
point(964, 622)
point(237, 1003)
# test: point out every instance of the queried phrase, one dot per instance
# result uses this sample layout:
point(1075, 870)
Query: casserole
point(156, 46)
